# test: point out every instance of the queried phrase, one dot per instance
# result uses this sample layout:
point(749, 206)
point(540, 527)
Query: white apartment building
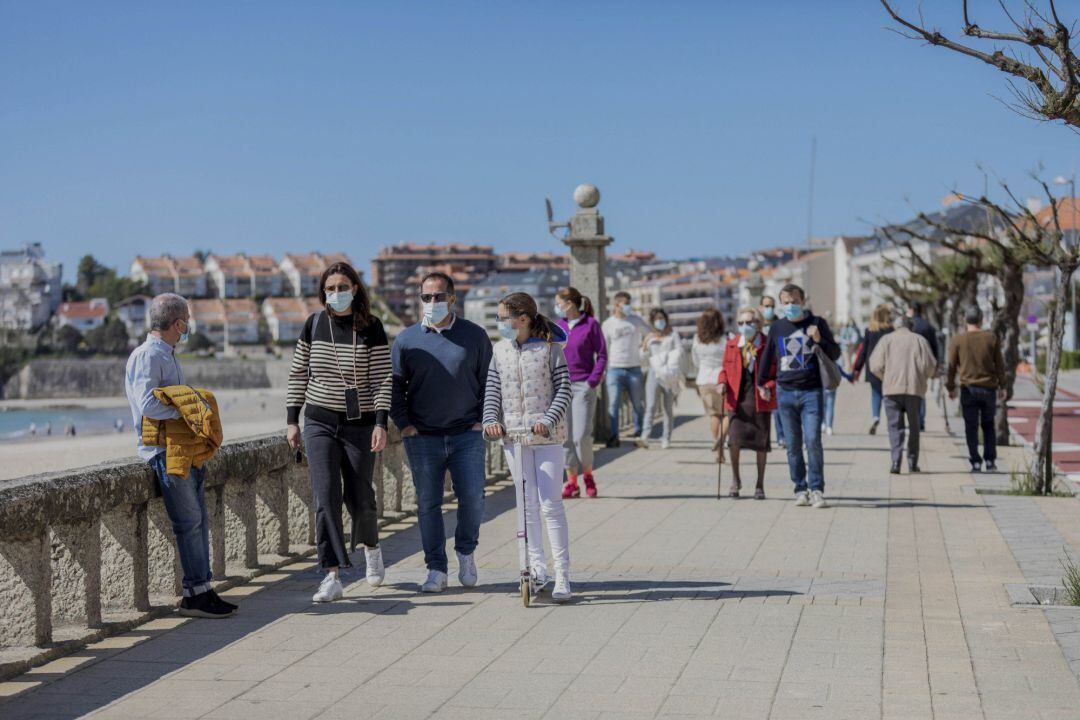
point(30, 288)
point(83, 316)
point(184, 275)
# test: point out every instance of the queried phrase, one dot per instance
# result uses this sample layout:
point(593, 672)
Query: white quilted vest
point(527, 391)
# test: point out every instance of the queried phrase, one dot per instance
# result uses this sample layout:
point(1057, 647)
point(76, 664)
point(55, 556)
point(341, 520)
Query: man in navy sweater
point(440, 369)
point(789, 358)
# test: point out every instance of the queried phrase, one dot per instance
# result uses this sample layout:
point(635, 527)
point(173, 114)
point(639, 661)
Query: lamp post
point(1070, 337)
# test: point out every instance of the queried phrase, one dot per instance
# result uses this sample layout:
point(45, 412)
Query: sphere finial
point(586, 195)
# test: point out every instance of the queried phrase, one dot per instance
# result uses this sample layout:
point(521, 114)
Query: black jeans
point(897, 408)
point(978, 405)
point(341, 467)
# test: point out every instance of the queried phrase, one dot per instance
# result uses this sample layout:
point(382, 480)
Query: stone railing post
point(76, 574)
point(26, 590)
point(124, 571)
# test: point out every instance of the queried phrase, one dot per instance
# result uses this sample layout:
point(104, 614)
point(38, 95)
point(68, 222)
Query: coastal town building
point(83, 316)
point(134, 313)
point(184, 275)
point(30, 288)
point(396, 269)
point(226, 322)
point(482, 300)
point(240, 276)
point(301, 273)
point(285, 316)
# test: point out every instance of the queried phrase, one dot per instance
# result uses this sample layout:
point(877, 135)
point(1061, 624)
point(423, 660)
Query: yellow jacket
point(194, 437)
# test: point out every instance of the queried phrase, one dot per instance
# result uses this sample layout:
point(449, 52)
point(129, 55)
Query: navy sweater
point(789, 353)
point(439, 378)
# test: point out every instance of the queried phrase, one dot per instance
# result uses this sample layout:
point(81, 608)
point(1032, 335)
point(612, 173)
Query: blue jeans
point(875, 401)
point(185, 504)
point(779, 427)
point(830, 407)
point(630, 379)
point(430, 456)
point(801, 412)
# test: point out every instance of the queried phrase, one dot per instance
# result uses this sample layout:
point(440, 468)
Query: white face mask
point(339, 301)
point(435, 312)
point(506, 329)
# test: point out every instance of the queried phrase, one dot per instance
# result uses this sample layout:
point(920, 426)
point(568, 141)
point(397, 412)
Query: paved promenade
point(892, 603)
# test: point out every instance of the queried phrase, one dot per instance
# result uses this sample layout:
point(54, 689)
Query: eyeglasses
point(338, 288)
point(434, 297)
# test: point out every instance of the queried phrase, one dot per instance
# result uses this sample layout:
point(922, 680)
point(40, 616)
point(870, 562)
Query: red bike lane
point(1024, 413)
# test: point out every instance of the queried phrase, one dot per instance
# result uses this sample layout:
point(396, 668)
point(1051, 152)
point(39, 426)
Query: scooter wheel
point(525, 594)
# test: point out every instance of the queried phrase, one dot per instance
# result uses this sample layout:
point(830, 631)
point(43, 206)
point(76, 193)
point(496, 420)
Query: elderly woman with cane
point(747, 408)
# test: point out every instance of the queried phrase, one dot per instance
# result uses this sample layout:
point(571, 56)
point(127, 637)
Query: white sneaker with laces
point(329, 589)
point(376, 571)
point(539, 578)
point(561, 593)
point(467, 570)
point(665, 444)
point(435, 583)
point(802, 499)
point(817, 499)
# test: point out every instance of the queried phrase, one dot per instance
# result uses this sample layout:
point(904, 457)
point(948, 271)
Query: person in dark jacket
point(880, 326)
point(922, 326)
point(790, 357)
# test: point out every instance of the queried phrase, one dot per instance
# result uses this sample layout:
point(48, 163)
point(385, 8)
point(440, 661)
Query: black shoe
point(895, 469)
point(922, 427)
point(613, 443)
point(913, 467)
point(873, 427)
point(203, 606)
point(991, 466)
point(232, 607)
point(976, 467)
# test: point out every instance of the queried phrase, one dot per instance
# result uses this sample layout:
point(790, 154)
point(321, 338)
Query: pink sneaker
point(590, 485)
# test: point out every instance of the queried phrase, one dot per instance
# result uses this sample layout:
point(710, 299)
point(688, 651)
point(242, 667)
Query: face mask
point(792, 311)
point(769, 313)
point(748, 331)
point(507, 330)
point(660, 323)
point(559, 310)
point(436, 312)
point(339, 301)
point(184, 335)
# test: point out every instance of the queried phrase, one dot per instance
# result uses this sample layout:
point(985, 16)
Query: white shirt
point(623, 337)
point(709, 359)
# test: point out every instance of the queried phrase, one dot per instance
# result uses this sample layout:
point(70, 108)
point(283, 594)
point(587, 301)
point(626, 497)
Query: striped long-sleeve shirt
point(560, 381)
point(324, 353)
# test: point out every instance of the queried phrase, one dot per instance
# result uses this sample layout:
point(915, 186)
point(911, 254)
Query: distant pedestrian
point(881, 324)
point(975, 356)
point(48, 428)
point(527, 396)
point(905, 364)
point(707, 351)
point(767, 307)
point(748, 406)
point(440, 368)
point(922, 326)
point(623, 333)
point(153, 365)
point(791, 358)
point(33, 429)
point(662, 349)
point(586, 359)
point(340, 377)
point(849, 341)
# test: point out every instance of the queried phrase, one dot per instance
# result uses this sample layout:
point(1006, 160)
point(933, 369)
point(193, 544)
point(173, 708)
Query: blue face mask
point(747, 330)
point(792, 311)
point(184, 335)
point(769, 313)
point(559, 310)
point(660, 323)
point(506, 329)
point(435, 312)
point(339, 301)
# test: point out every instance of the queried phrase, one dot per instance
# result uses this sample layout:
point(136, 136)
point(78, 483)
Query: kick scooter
point(522, 436)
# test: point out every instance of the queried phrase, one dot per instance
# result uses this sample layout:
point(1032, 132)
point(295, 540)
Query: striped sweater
point(560, 382)
point(315, 377)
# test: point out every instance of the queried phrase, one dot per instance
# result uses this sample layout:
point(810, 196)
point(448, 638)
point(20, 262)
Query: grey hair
point(903, 321)
point(753, 312)
point(973, 315)
point(165, 309)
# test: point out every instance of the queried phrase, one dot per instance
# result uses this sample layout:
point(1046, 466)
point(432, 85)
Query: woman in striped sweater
point(341, 372)
point(528, 389)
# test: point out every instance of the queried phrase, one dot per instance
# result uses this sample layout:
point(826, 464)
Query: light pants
point(654, 392)
point(542, 468)
point(579, 427)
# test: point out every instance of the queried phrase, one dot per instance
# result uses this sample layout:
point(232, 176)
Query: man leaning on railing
point(185, 421)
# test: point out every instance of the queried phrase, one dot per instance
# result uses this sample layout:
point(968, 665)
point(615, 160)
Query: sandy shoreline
point(243, 413)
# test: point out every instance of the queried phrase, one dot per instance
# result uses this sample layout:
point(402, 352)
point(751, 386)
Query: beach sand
point(243, 413)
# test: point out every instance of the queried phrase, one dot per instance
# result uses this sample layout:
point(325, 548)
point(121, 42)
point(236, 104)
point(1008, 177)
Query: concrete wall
point(98, 377)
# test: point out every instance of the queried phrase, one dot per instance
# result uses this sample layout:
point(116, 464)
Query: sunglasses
point(434, 297)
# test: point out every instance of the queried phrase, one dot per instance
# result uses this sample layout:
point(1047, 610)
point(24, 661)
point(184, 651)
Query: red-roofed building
point(183, 275)
point(302, 272)
point(285, 316)
point(244, 276)
point(83, 316)
point(232, 321)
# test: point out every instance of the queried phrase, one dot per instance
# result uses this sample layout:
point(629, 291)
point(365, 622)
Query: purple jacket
point(585, 351)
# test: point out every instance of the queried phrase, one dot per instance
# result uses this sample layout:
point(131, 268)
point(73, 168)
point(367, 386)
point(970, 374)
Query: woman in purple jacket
point(586, 358)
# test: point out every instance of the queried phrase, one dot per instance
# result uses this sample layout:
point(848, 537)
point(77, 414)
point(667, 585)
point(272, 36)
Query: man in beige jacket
point(905, 362)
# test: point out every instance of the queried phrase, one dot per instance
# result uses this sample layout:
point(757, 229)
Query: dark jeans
point(897, 408)
point(978, 405)
point(801, 411)
point(185, 504)
point(430, 457)
point(341, 468)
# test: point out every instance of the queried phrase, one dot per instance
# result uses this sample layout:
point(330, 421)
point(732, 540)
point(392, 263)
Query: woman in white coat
point(662, 351)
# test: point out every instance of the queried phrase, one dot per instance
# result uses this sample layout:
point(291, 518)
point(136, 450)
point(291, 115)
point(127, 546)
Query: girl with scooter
point(525, 403)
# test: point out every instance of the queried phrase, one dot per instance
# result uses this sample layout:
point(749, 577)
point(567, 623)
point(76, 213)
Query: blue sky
point(270, 127)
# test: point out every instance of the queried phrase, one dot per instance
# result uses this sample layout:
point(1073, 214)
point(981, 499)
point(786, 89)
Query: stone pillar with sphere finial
point(588, 271)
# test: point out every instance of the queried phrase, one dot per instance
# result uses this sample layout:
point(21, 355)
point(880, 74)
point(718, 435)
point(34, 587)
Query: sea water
point(15, 423)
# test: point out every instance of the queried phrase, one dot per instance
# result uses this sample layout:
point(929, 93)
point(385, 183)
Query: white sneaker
point(642, 441)
point(329, 589)
point(802, 499)
point(665, 444)
point(539, 578)
point(376, 571)
point(435, 583)
point(561, 593)
point(817, 499)
point(828, 431)
point(466, 570)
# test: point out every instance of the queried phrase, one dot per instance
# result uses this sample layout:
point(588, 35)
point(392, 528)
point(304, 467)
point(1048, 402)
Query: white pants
point(542, 468)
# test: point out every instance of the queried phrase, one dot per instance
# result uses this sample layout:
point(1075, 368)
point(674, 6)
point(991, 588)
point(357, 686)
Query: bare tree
point(1038, 56)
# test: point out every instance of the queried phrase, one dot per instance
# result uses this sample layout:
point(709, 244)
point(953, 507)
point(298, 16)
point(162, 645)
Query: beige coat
point(904, 362)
